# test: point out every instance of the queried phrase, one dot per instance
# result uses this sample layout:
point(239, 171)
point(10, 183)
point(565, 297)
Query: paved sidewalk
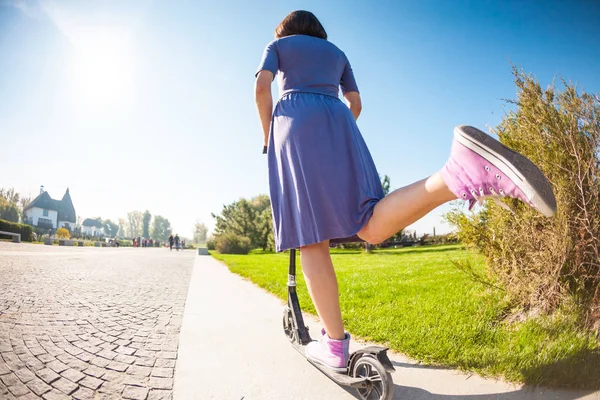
point(232, 347)
point(90, 323)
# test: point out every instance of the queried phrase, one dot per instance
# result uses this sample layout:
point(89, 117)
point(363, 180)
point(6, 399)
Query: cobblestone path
point(90, 323)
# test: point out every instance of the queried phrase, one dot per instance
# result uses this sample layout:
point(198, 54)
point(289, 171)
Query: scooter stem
point(294, 304)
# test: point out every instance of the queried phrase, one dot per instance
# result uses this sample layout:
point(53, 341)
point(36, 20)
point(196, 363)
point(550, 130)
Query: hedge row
point(26, 231)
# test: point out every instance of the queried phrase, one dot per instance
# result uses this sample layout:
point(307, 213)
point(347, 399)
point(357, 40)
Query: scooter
point(368, 370)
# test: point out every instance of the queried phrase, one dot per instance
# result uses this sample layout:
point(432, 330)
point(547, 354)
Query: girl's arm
point(353, 100)
point(264, 101)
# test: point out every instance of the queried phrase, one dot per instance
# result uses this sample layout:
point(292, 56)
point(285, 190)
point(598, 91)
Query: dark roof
point(66, 211)
point(64, 207)
point(92, 222)
point(43, 201)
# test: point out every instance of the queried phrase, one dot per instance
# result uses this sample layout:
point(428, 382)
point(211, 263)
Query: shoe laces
point(478, 198)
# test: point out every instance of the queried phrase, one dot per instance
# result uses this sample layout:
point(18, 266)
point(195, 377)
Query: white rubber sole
point(515, 166)
point(322, 364)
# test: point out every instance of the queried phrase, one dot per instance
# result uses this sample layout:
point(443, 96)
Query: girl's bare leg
point(393, 213)
point(322, 286)
point(468, 170)
point(404, 206)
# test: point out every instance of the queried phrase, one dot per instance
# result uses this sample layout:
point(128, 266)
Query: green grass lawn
point(416, 302)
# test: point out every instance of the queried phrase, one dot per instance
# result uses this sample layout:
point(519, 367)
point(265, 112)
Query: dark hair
point(300, 23)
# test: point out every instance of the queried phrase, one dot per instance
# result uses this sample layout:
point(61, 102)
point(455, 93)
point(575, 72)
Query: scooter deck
point(338, 377)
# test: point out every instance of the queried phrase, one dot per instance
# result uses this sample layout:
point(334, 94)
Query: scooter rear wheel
point(382, 385)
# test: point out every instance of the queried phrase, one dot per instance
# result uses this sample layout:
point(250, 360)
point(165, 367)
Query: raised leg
point(405, 206)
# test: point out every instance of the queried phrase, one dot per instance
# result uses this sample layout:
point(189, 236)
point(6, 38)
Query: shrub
point(545, 262)
point(449, 238)
point(63, 233)
point(230, 243)
point(211, 244)
point(26, 231)
point(351, 245)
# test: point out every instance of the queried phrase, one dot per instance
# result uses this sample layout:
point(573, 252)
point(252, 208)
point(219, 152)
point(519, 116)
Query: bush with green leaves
point(249, 218)
point(547, 262)
point(211, 243)
point(26, 231)
point(230, 243)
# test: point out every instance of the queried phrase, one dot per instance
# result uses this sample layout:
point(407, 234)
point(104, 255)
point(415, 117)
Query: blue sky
point(140, 105)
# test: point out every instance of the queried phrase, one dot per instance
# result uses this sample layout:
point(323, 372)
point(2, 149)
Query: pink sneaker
point(481, 167)
point(330, 353)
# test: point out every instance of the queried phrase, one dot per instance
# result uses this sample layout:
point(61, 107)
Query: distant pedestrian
point(171, 240)
point(177, 242)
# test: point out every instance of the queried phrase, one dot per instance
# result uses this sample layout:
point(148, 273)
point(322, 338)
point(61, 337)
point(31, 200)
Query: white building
point(45, 212)
point(92, 227)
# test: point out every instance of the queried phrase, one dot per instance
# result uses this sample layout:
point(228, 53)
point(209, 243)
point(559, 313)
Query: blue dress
point(322, 179)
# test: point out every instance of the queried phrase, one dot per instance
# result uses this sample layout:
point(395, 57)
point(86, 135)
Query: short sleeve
point(270, 59)
point(347, 82)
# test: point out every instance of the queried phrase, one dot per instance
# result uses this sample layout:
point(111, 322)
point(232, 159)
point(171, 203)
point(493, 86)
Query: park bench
point(16, 237)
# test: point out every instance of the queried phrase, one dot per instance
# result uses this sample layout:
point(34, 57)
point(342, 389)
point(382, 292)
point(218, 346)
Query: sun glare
point(102, 71)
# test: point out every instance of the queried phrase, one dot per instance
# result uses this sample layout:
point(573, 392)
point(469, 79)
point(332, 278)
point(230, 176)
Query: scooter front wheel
point(381, 384)
point(288, 325)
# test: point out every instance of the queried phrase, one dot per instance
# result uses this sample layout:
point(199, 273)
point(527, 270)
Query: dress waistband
point(291, 91)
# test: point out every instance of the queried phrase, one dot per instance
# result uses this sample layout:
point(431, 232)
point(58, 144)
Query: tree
point(265, 227)
point(110, 228)
point(122, 227)
point(385, 183)
point(161, 228)
point(200, 232)
point(134, 223)
point(23, 202)
point(9, 205)
point(146, 224)
point(247, 218)
point(263, 221)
